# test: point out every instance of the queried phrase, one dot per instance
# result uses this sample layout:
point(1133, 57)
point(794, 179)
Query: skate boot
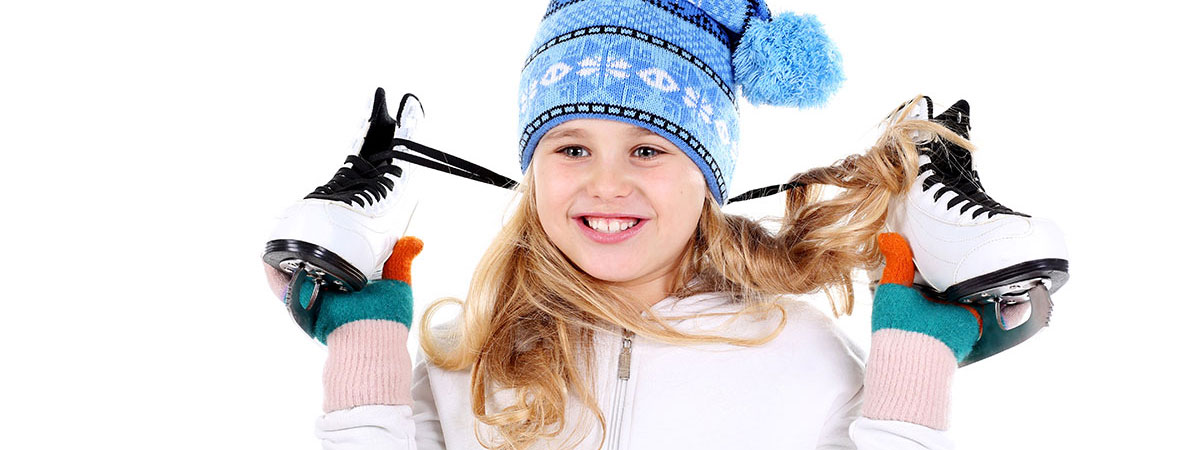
point(341, 234)
point(969, 248)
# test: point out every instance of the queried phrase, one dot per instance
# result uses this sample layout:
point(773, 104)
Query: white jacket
point(802, 390)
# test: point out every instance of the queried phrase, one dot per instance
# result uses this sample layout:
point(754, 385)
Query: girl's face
point(619, 200)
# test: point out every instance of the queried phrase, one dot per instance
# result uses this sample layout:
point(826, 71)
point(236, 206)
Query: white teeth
point(609, 225)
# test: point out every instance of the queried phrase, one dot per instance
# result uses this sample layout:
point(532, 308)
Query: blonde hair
point(530, 314)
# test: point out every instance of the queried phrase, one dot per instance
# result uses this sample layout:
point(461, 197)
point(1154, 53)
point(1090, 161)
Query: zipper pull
point(626, 354)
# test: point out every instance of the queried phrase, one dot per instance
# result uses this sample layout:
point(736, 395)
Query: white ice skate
point(341, 234)
point(969, 248)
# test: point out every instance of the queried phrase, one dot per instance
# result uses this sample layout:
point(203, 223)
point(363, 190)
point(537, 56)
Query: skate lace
point(364, 180)
point(951, 166)
point(362, 183)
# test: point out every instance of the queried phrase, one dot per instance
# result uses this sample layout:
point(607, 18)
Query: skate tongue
point(382, 130)
point(957, 118)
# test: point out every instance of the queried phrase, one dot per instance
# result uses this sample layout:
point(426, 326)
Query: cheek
point(684, 186)
point(550, 191)
point(546, 204)
point(684, 191)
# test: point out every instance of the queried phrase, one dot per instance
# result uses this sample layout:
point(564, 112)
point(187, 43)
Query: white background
point(147, 147)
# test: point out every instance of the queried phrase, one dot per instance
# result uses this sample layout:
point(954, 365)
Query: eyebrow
point(581, 133)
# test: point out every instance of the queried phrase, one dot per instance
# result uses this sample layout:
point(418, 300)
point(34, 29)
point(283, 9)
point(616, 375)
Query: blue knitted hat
point(674, 67)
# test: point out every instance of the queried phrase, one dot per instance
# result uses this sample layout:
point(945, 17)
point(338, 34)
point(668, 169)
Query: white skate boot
point(341, 234)
point(969, 248)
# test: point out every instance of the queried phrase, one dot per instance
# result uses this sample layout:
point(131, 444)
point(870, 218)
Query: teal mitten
point(899, 306)
point(916, 345)
point(387, 299)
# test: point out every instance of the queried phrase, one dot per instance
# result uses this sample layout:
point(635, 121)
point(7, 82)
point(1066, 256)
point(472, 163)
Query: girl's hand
point(387, 299)
point(366, 332)
point(916, 344)
point(899, 306)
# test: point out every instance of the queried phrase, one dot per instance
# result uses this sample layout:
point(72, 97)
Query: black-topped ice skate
point(340, 234)
point(968, 247)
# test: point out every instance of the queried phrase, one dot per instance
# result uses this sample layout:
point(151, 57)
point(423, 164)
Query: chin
point(612, 269)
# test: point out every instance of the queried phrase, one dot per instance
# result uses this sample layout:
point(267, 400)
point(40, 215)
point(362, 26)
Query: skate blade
point(331, 270)
point(1009, 284)
point(1004, 325)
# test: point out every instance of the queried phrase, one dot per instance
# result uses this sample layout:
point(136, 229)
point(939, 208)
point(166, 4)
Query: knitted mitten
point(916, 345)
point(367, 332)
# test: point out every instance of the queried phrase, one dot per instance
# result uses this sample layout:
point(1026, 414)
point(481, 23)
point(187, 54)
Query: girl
point(619, 307)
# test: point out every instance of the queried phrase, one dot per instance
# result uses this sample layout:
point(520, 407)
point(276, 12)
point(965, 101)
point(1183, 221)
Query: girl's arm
point(368, 403)
point(916, 345)
point(898, 404)
point(370, 400)
point(905, 408)
point(847, 428)
point(895, 409)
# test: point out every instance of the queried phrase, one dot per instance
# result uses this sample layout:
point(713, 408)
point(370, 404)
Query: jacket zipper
point(618, 406)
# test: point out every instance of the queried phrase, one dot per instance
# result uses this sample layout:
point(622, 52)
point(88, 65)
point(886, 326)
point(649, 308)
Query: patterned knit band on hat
point(674, 67)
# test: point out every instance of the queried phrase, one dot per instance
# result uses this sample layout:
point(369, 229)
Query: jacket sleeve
point(845, 426)
point(412, 426)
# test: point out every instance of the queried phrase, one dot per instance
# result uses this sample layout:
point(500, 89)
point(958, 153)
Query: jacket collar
point(701, 302)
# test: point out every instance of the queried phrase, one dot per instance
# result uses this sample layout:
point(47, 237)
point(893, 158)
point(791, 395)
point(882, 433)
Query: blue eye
point(567, 151)
point(655, 152)
point(577, 152)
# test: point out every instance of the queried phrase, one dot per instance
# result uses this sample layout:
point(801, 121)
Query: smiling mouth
point(610, 224)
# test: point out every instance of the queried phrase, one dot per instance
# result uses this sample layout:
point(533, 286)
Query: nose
point(609, 178)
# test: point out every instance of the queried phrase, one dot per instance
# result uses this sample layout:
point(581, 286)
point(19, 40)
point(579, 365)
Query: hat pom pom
point(787, 61)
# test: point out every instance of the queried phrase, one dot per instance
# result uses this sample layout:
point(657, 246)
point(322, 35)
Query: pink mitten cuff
point(368, 364)
point(908, 378)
